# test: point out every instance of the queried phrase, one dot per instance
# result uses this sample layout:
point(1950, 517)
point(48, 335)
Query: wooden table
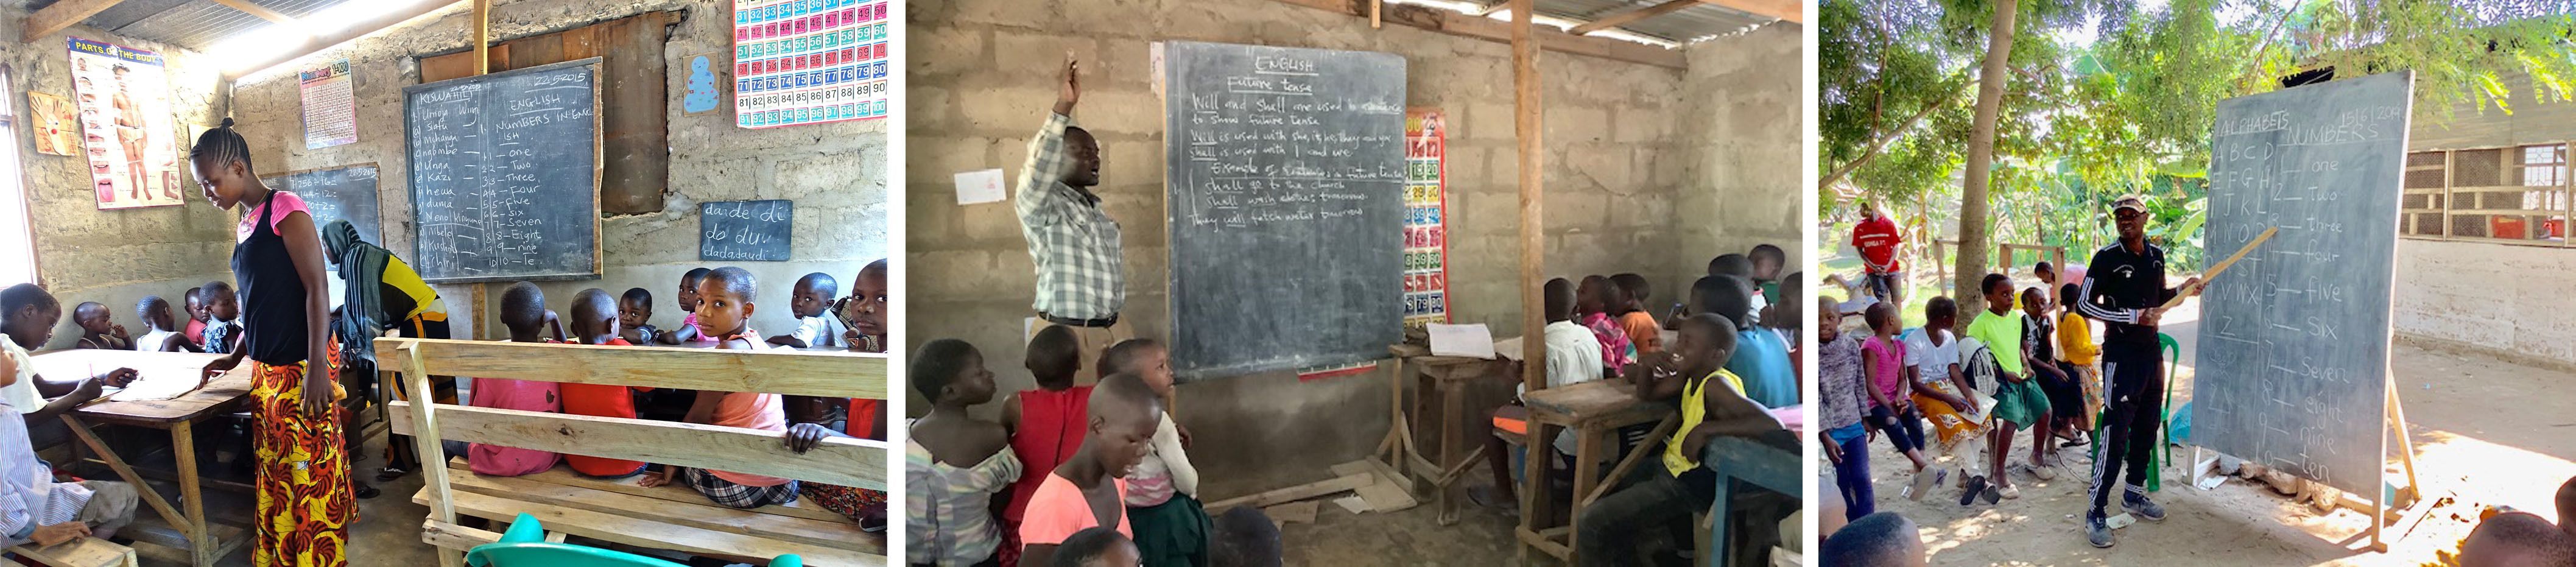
point(1770, 463)
point(1442, 376)
point(1595, 411)
point(178, 416)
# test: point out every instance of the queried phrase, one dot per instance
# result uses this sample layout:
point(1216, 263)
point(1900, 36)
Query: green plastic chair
point(525, 545)
point(2102, 422)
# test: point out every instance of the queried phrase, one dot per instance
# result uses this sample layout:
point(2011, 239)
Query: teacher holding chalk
point(1081, 277)
point(2125, 289)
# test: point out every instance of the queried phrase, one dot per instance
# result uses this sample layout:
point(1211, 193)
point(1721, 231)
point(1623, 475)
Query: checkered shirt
point(1074, 244)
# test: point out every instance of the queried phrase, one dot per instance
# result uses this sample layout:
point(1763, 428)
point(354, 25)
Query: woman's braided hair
point(220, 145)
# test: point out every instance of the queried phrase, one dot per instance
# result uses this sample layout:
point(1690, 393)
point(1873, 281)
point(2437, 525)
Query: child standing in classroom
point(1087, 490)
point(2018, 402)
point(811, 297)
point(2076, 354)
point(97, 330)
point(158, 335)
point(595, 322)
point(953, 464)
point(1047, 424)
point(634, 316)
point(523, 311)
point(1844, 391)
point(724, 305)
point(1161, 496)
point(222, 335)
point(1633, 318)
point(1891, 410)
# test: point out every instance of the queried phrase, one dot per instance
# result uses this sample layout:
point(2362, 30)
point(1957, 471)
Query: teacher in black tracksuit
point(2124, 288)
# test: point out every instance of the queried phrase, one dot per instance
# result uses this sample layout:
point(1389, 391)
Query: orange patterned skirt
point(305, 500)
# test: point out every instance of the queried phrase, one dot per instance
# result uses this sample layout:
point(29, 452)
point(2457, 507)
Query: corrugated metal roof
point(191, 24)
point(1681, 27)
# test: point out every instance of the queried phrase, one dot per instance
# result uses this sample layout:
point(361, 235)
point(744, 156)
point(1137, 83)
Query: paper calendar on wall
point(810, 61)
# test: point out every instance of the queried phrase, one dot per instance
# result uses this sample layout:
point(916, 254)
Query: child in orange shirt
point(1086, 491)
point(1632, 316)
point(595, 321)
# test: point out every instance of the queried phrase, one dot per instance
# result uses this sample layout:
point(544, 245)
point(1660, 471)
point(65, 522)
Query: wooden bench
point(83, 552)
point(672, 517)
point(1594, 411)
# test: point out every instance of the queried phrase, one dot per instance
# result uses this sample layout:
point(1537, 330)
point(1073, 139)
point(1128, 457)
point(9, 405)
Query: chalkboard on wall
point(2293, 346)
point(1285, 206)
point(341, 193)
point(757, 231)
point(505, 174)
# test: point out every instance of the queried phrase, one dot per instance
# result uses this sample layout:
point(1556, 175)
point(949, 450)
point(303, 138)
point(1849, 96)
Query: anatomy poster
point(124, 102)
point(810, 61)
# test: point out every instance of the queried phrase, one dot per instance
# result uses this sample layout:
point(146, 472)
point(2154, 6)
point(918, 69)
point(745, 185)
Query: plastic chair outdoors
point(525, 545)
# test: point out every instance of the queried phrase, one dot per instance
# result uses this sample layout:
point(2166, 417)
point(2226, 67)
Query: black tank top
point(273, 328)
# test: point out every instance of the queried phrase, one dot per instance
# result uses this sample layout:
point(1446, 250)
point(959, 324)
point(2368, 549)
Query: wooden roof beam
point(354, 31)
point(60, 15)
point(1624, 18)
point(1489, 29)
point(1791, 11)
point(256, 10)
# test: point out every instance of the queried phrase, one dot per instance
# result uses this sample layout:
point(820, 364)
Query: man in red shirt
point(1877, 239)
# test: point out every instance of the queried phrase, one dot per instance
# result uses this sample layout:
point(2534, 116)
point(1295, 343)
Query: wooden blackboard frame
point(597, 170)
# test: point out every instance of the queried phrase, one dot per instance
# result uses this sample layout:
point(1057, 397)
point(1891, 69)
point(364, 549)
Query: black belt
point(1071, 322)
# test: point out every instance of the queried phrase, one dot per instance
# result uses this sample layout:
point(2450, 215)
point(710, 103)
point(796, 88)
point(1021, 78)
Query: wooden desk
point(1594, 410)
point(1441, 375)
point(1765, 463)
point(178, 416)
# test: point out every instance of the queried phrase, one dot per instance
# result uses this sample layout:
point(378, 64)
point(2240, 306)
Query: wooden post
point(425, 440)
point(1377, 13)
point(482, 36)
point(1525, 98)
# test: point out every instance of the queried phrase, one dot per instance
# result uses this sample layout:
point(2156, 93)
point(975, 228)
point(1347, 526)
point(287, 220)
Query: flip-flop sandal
point(1976, 487)
point(1923, 483)
point(366, 492)
point(389, 474)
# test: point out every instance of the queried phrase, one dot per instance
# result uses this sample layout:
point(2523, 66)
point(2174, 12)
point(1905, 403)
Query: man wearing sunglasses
point(2124, 287)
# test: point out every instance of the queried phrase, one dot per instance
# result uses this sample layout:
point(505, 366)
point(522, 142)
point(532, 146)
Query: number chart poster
point(1426, 241)
point(124, 104)
point(810, 61)
point(330, 110)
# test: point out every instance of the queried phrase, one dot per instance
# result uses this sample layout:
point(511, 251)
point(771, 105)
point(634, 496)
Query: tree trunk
point(1981, 154)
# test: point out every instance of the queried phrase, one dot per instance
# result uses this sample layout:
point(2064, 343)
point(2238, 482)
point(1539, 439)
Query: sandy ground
point(2468, 447)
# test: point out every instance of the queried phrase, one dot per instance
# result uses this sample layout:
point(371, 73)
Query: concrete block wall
point(1742, 141)
point(983, 74)
point(114, 257)
point(835, 173)
point(2491, 298)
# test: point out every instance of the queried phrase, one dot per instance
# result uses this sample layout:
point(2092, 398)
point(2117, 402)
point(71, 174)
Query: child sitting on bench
point(34, 508)
point(725, 302)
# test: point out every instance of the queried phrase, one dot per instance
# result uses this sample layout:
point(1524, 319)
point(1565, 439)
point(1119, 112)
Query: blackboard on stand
point(338, 193)
point(505, 173)
point(2294, 339)
point(757, 231)
point(1285, 206)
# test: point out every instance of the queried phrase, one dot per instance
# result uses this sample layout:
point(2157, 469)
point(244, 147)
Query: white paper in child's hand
point(980, 187)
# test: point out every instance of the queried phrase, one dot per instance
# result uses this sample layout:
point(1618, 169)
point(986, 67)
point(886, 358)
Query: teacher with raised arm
point(2125, 289)
point(305, 502)
point(379, 292)
point(1081, 276)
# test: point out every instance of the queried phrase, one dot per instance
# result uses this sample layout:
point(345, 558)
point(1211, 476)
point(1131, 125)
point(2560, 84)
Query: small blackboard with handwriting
point(341, 193)
point(505, 174)
point(756, 231)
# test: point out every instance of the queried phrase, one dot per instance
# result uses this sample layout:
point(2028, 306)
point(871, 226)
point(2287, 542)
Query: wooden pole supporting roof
point(1526, 124)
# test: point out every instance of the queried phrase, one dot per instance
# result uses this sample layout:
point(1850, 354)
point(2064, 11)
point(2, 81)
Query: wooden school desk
point(1769, 462)
point(1443, 377)
point(204, 543)
point(1594, 411)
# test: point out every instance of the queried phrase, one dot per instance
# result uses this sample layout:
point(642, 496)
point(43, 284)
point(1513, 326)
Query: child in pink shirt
point(523, 310)
point(724, 305)
point(1882, 359)
point(1124, 414)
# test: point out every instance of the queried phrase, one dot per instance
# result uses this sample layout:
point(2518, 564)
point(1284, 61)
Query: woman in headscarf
point(381, 292)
